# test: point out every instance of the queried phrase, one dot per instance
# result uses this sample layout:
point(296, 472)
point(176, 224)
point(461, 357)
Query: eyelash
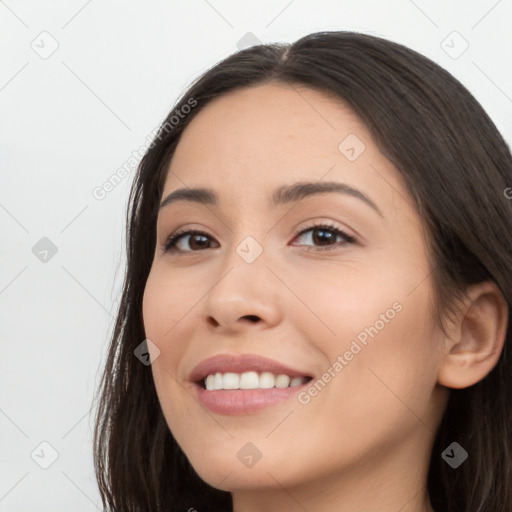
point(170, 244)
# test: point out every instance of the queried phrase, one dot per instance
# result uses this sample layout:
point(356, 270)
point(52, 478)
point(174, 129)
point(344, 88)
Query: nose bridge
point(245, 287)
point(244, 268)
point(248, 247)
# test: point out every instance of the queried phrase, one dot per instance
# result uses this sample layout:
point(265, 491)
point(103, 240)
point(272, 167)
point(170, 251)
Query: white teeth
point(282, 381)
point(250, 380)
point(217, 383)
point(210, 382)
point(267, 380)
point(231, 381)
point(296, 381)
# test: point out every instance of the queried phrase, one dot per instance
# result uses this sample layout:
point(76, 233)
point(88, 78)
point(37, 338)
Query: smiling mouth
point(250, 380)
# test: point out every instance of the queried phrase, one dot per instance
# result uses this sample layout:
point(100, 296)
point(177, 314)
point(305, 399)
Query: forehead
point(268, 120)
point(258, 138)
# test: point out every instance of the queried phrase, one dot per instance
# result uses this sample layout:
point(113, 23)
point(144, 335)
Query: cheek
point(340, 302)
point(166, 304)
point(392, 373)
point(166, 307)
point(384, 334)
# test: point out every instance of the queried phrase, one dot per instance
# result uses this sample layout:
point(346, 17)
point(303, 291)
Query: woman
point(319, 272)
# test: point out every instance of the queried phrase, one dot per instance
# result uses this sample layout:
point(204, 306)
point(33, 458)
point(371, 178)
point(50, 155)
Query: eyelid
point(328, 224)
point(176, 235)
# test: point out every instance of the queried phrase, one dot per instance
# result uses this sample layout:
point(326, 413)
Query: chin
point(230, 469)
point(227, 475)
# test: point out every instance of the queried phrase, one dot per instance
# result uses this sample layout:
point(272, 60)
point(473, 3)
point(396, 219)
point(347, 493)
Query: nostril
point(252, 318)
point(212, 321)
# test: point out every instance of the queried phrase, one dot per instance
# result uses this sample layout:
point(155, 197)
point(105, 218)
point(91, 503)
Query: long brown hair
point(457, 167)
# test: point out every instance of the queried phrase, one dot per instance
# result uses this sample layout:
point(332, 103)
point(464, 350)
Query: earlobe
point(477, 336)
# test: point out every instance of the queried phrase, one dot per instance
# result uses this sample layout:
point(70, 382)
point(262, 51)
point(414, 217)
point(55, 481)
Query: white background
point(72, 119)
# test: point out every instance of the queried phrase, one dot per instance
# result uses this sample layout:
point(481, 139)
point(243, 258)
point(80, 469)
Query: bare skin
point(363, 442)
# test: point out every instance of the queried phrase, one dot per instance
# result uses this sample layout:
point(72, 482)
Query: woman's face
point(351, 312)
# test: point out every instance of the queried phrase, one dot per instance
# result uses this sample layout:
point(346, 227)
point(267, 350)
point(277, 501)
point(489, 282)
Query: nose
point(247, 295)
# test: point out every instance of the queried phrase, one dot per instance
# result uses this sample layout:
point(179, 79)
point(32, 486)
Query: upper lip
point(224, 363)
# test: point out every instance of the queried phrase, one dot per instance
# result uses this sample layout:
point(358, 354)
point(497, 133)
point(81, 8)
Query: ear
point(475, 337)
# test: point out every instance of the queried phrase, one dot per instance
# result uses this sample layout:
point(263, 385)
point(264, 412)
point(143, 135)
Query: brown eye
point(326, 236)
point(195, 240)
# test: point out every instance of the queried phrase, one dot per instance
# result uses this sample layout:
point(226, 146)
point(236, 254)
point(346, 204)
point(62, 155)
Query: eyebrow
point(283, 195)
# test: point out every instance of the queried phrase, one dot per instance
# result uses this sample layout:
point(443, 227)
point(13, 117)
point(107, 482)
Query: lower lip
point(244, 401)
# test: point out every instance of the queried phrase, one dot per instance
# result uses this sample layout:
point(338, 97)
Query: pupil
point(194, 238)
point(323, 239)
